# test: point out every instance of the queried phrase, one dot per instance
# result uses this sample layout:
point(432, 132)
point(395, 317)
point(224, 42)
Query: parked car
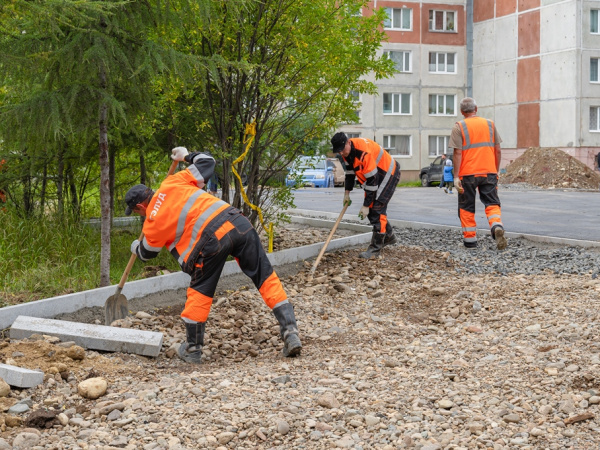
point(339, 175)
point(315, 171)
point(433, 172)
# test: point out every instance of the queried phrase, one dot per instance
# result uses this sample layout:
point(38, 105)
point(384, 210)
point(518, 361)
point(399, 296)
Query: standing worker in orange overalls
point(201, 231)
point(477, 154)
point(379, 174)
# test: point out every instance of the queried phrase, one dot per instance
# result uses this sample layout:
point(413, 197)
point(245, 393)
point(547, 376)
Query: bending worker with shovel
point(379, 174)
point(201, 231)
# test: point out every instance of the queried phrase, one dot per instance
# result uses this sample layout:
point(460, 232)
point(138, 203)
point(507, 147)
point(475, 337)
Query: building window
point(442, 62)
point(438, 145)
point(396, 104)
point(595, 118)
point(594, 28)
point(442, 105)
point(353, 135)
point(397, 145)
point(594, 70)
point(402, 60)
point(442, 20)
point(398, 19)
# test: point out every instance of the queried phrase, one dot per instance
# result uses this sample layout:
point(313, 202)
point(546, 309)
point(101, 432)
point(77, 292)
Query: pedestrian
point(477, 155)
point(213, 184)
point(443, 163)
point(201, 231)
point(379, 174)
point(448, 176)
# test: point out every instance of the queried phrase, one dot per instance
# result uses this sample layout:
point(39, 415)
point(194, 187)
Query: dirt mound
point(550, 168)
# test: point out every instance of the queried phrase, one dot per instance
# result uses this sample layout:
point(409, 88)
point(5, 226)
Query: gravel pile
point(417, 350)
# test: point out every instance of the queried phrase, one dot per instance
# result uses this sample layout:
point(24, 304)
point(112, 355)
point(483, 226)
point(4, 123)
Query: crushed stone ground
point(415, 351)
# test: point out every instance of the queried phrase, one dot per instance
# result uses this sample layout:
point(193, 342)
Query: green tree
point(81, 68)
point(287, 65)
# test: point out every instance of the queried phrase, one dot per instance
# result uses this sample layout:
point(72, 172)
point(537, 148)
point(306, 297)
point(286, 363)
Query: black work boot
point(390, 238)
point(288, 329)
point(191, 351)
point(375, 248)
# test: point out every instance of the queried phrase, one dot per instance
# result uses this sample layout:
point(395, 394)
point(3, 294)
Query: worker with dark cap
point(379, 174)
point(201, 231)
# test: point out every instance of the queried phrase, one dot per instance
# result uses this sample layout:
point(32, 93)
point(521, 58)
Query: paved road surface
point(565, 214)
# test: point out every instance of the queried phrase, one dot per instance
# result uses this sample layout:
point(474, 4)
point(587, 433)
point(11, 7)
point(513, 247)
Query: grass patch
point(41, 258)
point(410, 184)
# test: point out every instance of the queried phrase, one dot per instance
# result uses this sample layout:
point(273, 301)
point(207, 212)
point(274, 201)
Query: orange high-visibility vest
point(371, 156)
point(478, 152)
point(178, 214)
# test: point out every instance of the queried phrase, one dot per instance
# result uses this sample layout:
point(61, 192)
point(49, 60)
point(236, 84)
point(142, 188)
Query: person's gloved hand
point(364, 212)
point(179, 153)
point(347, 201)
point(134, 247)
point(458, 185)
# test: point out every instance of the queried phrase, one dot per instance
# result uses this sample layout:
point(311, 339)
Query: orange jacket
point(180, 210)
point(372, 165)
point(478, 147)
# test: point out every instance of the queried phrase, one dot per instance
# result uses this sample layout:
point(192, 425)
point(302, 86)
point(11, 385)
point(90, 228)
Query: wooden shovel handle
point(339, 219)
point(133, 255)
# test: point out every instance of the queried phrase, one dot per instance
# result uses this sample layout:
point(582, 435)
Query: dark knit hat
point(338, 142)
point(137, 194)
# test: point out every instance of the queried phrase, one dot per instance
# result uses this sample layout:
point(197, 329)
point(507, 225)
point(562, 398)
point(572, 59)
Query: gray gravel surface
point(416, 350)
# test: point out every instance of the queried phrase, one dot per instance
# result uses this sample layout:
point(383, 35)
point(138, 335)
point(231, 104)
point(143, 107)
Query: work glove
point(364, 212)
point(179, 153)
point(135, 245)
point(347, 201)
point(458, 185)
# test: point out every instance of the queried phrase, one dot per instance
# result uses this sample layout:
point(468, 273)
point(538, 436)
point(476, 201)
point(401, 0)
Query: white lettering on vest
point(159, 201)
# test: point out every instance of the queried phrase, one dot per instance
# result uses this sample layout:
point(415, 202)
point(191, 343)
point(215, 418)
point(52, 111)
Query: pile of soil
point(550, 168)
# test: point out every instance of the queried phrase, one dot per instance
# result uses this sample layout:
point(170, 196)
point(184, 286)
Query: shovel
point(116, 306)
point(339, 219)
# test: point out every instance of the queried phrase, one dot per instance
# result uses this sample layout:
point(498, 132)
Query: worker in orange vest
point(477, 155)
point(201, 231)
point(379, 174)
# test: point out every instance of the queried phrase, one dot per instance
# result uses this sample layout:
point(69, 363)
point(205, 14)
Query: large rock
point(4, 388)
point(92, 388)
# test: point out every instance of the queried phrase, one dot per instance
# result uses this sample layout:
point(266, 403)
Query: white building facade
point(531, 65)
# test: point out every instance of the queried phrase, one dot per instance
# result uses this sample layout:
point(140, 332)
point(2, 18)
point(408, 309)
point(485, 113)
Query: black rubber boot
point(288, 330)
point(375, 248)
point(390, 238)
point(191, 351)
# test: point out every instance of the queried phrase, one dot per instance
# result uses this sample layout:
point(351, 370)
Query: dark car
point(433, 172)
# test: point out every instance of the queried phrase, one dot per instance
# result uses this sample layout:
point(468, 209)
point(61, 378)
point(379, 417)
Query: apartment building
point(532, 66)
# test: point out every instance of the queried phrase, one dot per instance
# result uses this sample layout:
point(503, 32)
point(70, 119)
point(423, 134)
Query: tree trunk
point(73, 191)
point(105, 221)
point(111, 177)
point(44, 186)
point(59, 181)
point(142, 169)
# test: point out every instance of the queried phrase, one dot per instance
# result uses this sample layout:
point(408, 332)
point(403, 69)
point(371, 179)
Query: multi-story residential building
point(531, 65)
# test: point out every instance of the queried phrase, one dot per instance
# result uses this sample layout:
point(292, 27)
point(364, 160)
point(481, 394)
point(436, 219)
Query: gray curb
point(432, 226)
point(69, 303)
point(51, 307)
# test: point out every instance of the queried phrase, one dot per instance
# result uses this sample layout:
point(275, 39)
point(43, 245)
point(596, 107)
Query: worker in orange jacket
point(379, 174)
point(201, 231)
point(477, 155)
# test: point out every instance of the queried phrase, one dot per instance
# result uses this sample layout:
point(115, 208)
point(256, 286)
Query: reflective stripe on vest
point(200, 223)
point(478, 147)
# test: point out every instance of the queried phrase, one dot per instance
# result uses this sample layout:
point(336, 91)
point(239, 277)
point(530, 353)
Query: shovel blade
point(115, 308)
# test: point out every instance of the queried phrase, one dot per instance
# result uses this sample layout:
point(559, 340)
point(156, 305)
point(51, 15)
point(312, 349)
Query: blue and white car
point(315, 172)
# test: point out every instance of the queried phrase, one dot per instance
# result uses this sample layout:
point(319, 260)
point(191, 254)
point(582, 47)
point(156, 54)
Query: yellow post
point(270, 234)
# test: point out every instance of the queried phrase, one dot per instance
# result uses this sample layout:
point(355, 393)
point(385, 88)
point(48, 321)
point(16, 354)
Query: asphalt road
point(564, 214)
